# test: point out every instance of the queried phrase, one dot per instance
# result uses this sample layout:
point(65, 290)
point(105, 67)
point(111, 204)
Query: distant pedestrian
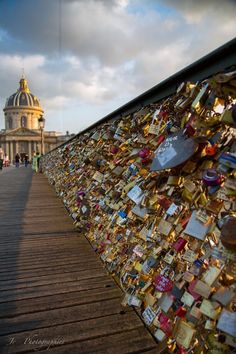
point(6, 160)
point(40, 164)
point(26, 160)
point(35, 162)
point(17, 160)
point(1, 157)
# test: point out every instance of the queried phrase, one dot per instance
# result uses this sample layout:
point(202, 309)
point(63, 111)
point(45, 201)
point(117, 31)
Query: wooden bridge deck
point(55, 296)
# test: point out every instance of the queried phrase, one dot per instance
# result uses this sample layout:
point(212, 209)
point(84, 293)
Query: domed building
point(22, 109)
point(22, 132)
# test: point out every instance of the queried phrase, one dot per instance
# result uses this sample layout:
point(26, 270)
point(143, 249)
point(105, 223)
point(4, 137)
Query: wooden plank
point(47, 242)
point(31, 229)
point(25, 220)
point(62, 257)
point(40, 237)
point(50, 302)
point(61, 288)
point(62, 315)
point(25, 210)
point(129, 342)
point(25, 257)
point(52, 279)
point(18, 268)
point(65, 268)
point(79, 331)
point(48, 247)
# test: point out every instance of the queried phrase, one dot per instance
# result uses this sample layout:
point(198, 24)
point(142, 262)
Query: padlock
point(229, 116)
point(184, 334)
point(195, 310)
point(211, 309)
point(187, 299)
point(165, 324)
point(164, 227)
point(191, 290)
point(181, 312)
point(224, 295)
point(159, 335)
point(210, 275)
point(228, 232)
point(210, 325)
point(179, 244)
point(174, 180)
point(170, 257)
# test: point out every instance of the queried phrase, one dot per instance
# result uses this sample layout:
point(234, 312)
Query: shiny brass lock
point(183, 103)
point(187, 196)
point(198, 103)
point(189, 185)
point(214, 206)
point(174, 180)
point(189, 167)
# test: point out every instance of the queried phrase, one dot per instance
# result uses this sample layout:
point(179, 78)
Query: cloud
point(11, 70)
point(56, 102)
point(197, 11)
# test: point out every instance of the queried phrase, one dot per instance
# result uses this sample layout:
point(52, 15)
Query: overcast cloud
point(85, 58)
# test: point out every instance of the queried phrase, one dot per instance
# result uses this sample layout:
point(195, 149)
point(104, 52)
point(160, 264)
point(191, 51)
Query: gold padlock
point(184, 334)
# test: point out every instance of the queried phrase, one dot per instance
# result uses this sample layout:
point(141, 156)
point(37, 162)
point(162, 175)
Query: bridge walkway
point(55, 295)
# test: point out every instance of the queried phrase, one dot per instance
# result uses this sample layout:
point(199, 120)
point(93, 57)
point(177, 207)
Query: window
point(23, 121)
point(9, 123)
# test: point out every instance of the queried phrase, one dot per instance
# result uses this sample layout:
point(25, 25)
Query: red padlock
point(160, 139)
point(163, 114)
point(190, 130)
point(165, 324)
point(144, 153)
point(179, 244)
point(211, 150)
point(164, 202)
point(114, 150)
point(145, 161)
point(185, 221)
point(181, 312)
point(163, 284)
point(192, 292)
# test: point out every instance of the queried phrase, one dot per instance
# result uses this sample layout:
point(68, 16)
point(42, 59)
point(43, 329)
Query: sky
point(85, 58)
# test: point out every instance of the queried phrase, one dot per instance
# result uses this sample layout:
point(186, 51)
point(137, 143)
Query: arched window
point(23, 121)
point(10, 123)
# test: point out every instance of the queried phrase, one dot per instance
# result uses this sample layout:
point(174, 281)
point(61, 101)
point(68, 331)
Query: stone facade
point(22, 133)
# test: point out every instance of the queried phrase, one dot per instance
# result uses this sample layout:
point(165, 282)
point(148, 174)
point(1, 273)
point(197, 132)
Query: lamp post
point(41, 121)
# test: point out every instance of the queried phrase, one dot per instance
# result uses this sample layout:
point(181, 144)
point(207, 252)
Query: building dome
point(22, 109)
point(23, 97)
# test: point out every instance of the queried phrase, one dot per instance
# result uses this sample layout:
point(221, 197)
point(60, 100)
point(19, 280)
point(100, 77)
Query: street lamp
point(41, 121)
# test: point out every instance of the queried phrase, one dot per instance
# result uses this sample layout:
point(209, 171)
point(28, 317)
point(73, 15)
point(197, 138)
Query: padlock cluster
point(154, 192)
